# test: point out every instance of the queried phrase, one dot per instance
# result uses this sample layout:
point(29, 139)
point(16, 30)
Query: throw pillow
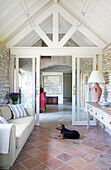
point(3, 121)
point(17, 110)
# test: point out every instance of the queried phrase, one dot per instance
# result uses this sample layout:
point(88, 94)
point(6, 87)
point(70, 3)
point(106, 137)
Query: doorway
point(56, 79)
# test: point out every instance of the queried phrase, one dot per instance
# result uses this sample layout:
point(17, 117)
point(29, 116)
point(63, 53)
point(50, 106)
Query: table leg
point(88, 119)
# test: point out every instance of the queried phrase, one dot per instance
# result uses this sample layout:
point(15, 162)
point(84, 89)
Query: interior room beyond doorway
point(56, 80)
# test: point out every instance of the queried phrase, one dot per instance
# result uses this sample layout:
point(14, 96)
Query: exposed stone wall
point(56, 60)
point(4, 74)
point(107, 72)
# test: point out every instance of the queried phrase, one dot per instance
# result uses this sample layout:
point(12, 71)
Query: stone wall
point(4, 74)
point(107, 72)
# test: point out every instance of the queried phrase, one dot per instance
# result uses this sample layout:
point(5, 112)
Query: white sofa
point(20, 131)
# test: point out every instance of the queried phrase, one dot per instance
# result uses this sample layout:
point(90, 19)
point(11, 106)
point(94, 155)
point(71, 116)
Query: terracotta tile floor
point(65, 154)
point(41, 152)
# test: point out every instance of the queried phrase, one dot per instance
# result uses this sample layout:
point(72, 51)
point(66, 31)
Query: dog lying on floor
point(65, 133)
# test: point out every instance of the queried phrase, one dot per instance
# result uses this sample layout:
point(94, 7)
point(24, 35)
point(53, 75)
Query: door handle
point(74, 89)
point(37, 91)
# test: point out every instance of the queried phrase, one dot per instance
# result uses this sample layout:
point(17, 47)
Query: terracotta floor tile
point(100, 147)
point(108, 151)
point(86, 157)
point(31, 163)
point(94, 152)
point(31, 139)
point(90, 167)
point(17, 167)
point(43, 157)
point(100, 164)
point(88, 143)
point(38, 143)
point(40, 167)
point(28, 146)
point(106, 157)
point(54, 151)
point(53, 163)
point(65, 148)
point(65, 167)
point(64, 157)
point(73, 152)
point(34, 151)
point(54, 143)
point(23, 156)
point(61, 146)
point(77, 164)
point(45, 147)
point(82, 147)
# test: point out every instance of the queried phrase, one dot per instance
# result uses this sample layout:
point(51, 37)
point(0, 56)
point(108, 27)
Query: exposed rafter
point(73, 21)
point(40, 11)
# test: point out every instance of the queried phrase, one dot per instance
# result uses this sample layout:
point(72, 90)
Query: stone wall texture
point(107, 72)
point(4, 74)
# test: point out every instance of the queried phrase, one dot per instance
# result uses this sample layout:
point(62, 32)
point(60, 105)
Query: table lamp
point(96, 91)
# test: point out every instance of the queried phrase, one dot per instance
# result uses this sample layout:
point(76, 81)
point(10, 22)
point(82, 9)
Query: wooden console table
point(52, 99)
point(103, 114)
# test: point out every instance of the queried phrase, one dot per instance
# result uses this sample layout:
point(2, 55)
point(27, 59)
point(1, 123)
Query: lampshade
point(96, 77)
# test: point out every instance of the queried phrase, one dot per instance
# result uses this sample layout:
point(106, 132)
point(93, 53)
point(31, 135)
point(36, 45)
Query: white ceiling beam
point(55, 25)
point(64, 51)
point(19, 36)
point(92, 37)
point(84, 30)
point(67, 36)
point(42, 34)
point(22, 19)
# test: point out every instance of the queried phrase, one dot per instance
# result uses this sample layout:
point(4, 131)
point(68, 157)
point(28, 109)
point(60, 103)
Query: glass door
point(81, 70)
point(27, 82)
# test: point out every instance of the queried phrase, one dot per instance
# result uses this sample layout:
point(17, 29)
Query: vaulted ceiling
point(86, 22)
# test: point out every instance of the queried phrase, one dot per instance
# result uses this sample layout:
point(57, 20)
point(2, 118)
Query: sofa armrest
point(30, 111)
point(6, 160)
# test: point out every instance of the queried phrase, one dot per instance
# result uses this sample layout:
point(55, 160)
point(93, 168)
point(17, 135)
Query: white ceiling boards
point(24, 22)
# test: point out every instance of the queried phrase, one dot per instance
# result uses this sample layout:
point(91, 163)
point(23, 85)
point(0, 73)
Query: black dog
point(69, 134)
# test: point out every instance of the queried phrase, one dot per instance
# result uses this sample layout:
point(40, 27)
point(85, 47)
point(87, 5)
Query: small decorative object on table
point(14, 97)
point(104, 104)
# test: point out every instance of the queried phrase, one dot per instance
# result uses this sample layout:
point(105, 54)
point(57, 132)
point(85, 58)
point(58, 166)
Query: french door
point(81, 69)
point(26, 80)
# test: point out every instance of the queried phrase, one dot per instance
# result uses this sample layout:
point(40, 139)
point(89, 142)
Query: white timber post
point(33, 82)
point(55, 25)
point(73, 89)
point(37, 90)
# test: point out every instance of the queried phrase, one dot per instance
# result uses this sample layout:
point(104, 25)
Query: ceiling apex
point(56, 1)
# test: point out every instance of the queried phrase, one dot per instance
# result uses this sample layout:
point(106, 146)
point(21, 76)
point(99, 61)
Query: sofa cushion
point(6, 112)
point(3, 121)
point(22, 133)
point(24, 120)
point(18, 111)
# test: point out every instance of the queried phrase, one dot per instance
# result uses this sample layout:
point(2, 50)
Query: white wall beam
point(96, 40)
point(67, 36)
point(32, 51)
point(42, 34)
point(27, 29)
